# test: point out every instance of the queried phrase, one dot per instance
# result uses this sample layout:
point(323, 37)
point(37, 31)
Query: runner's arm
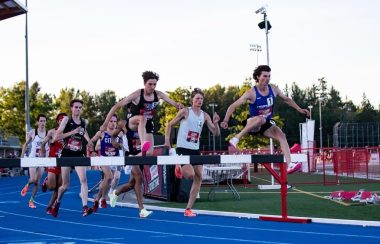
point(183, 113)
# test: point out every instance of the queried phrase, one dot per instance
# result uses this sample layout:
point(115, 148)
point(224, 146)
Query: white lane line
point(197, 224)
point(132, 230)
point(61, 237)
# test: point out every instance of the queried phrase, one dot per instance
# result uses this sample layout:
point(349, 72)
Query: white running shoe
point(145, 213)
point(113, 199)
point(234, 141)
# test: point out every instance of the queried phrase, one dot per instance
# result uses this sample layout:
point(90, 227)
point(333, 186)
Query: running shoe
point(24, 190)
point(294, 167)
point(49, 210)
point(178, 171)
point(44, 185)
point(103, 203)
point(145, 146)
point(55, 208)
point(145, 213)
point(31, 204)
point(96, 206)
point(189, 213)
point(113, 199)
point(234, 141)
point(86, 211)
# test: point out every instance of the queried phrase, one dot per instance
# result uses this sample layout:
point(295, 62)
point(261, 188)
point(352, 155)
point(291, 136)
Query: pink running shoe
point(189, 213)
point(294, 167)
point(24, 190)
point(145, 146)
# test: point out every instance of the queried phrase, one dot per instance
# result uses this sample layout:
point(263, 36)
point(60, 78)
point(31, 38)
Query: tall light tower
point(255, 48)
point(266, 26)
point(27, 108)
point(320, 100)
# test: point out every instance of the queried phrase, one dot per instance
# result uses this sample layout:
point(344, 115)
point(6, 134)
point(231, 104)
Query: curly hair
point(147, 75)
point(258, 70)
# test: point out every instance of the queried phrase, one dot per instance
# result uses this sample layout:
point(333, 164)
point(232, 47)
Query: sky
point(98, 45)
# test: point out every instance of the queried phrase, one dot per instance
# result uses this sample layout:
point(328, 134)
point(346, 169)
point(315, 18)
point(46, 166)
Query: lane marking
point(197, 224)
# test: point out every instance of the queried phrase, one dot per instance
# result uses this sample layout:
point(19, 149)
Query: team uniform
point(263, 106)
point(189, 133)
point(74, 145)
point(146, 108)
point(55, 150)
point(35, 151)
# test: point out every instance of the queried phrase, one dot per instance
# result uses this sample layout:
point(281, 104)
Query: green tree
point(12, 108)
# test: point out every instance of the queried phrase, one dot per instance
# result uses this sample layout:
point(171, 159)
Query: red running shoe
point(55, 208)
point(103, 203)
point(95, 207)
point(86, 211)
point(178, 171)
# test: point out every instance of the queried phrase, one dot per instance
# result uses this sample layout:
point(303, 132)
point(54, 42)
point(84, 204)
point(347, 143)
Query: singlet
point(56, 149)
point(134, 144)
point(146, 108)
point(106, 147)
point(35, 150)
point(74, 144)
point(190, 130)
point(263, 105)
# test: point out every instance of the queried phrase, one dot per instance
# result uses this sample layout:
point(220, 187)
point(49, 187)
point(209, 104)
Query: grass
point(304, 200)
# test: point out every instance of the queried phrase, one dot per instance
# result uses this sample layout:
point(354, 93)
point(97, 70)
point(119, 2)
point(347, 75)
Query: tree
point(366, 111)
point(12, 109)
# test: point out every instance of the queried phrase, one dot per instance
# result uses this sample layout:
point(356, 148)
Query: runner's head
point(41, 121)
point(150, 81)
point(262, 73)
point(113, 122)
point(76, 106)
point(59, 119)
point(197, 97)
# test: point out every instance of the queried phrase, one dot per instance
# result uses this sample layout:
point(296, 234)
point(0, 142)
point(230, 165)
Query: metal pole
point(320, 124)
point(27, 113)
point(266, 35)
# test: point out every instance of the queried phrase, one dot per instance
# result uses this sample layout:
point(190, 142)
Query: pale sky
point(98, 45)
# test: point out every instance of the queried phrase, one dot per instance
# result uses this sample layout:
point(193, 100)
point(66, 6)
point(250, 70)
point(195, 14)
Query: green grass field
point(304, 200)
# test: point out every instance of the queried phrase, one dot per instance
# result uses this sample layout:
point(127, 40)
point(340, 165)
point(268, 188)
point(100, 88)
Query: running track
point(20, 224)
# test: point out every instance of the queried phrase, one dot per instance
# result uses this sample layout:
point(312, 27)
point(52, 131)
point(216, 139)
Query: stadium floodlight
point(261, 10)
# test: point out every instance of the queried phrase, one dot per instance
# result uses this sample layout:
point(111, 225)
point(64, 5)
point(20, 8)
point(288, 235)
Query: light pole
point(213, 105)
point(265, 25)
point(320, 100)
point(310, 107)
point(27, 108)
point(256, 48)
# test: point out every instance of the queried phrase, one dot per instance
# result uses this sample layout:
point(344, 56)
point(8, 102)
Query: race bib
point(192, 136)
point(74, 145)
point(110, 151)
point(38, 152)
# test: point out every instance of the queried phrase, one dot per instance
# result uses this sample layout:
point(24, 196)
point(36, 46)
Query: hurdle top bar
point(141, 160)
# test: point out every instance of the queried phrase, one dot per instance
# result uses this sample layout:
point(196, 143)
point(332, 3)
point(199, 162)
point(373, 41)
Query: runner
point(73, 130)
point(143, 104)
point(53, 179)
point(191, 121)
point(136, 176)
point(261, 103)
point(35, 173)
point(107, 147)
